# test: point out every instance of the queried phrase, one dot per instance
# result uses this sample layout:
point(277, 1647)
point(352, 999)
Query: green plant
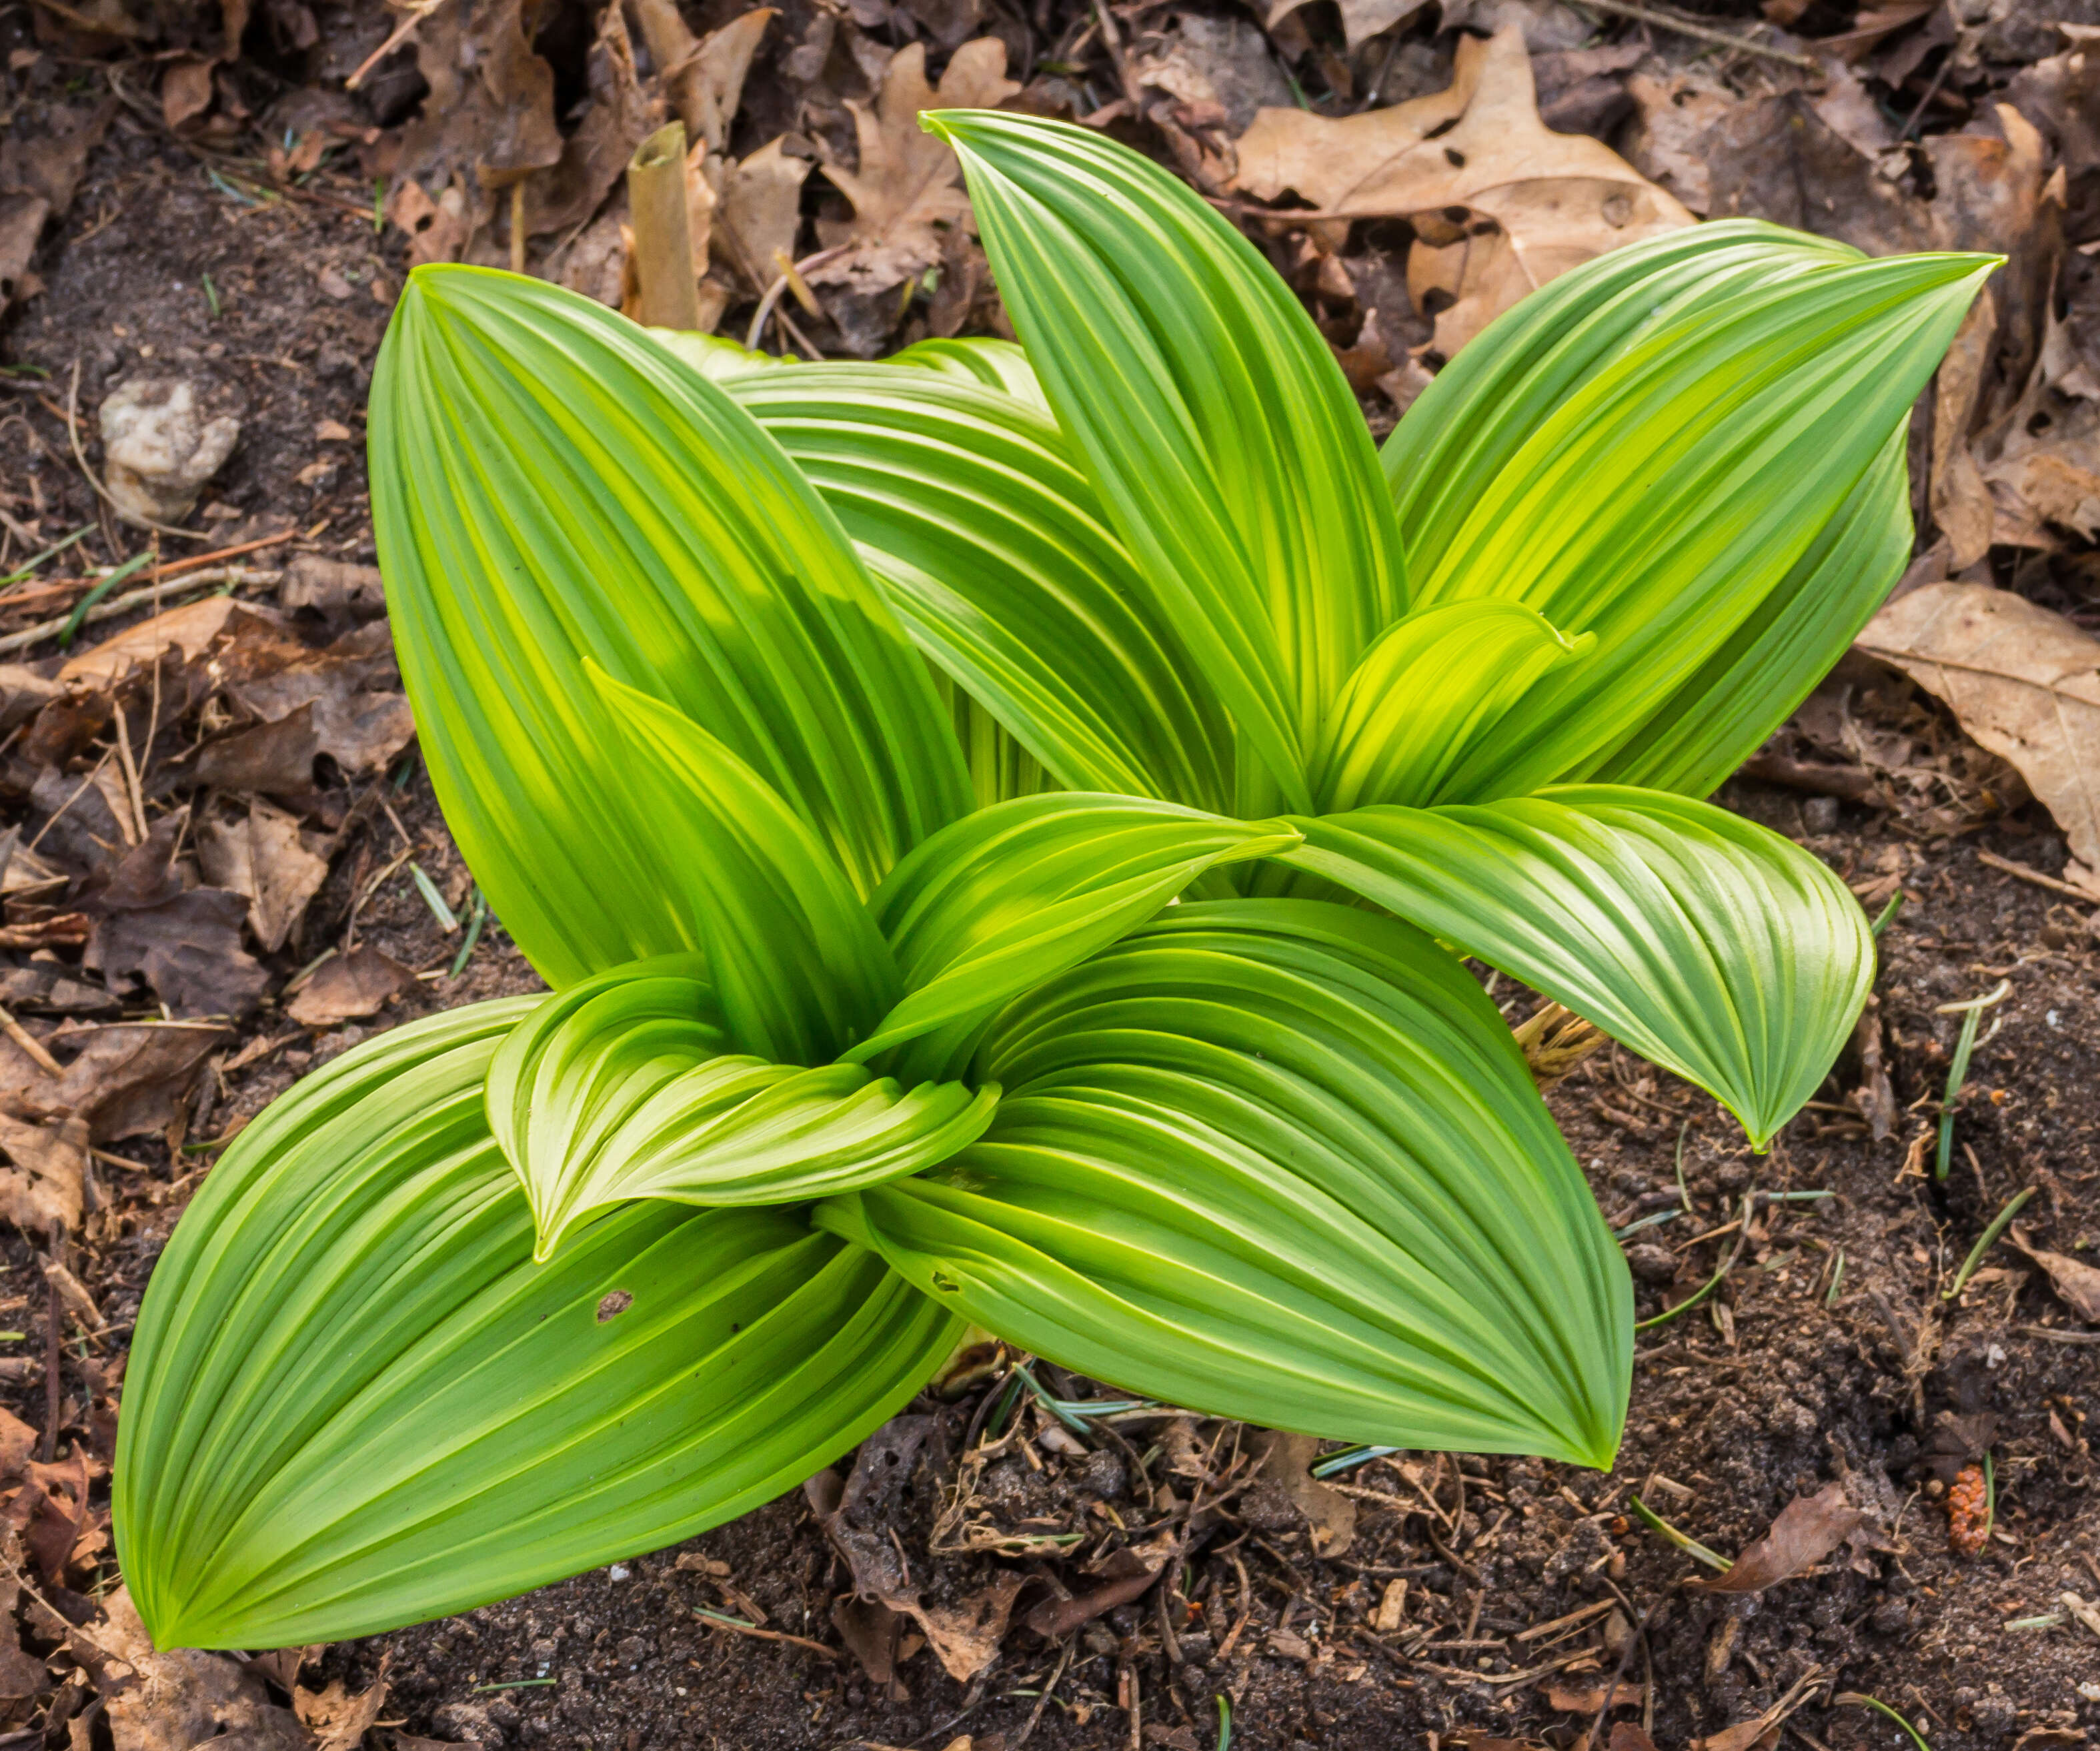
point(998, 826)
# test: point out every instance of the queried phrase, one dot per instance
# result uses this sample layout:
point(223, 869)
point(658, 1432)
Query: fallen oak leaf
point(349, 987)
point(2024, 684)
point(338, 1720)
point(2076, 1282)
point(1535, 203)
point(1808, 1530)
point(908, 187)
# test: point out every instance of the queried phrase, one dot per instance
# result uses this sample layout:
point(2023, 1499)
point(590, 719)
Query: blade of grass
point(56, 548)
point(1889, 914)
point(1712, 1282)
point(1957, 1073)
point(448, 920)
point(1224, 1722)
point(1984, 1242)
point(1858, 1699)
point(1348, 1459)
point(1836, 1277)
point(78, 617)
point(1670, 1534)
point(476, 916)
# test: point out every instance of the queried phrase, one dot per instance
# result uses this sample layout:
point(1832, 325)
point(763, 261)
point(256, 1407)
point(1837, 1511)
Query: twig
point(237, 575)
point(102, 492)
point(1035, 1714)
point(30, 1044)
point(400, 34)
point(1700, 33)
point(722, 1620)
point(1991, 859)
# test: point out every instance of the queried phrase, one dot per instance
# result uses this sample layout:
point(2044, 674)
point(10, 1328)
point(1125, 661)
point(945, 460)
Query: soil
point(1829, 1352)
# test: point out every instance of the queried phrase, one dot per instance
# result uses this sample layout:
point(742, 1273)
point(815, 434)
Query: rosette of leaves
point(1001, 827)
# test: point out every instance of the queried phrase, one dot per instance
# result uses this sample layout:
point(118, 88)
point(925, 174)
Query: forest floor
point(212, 785)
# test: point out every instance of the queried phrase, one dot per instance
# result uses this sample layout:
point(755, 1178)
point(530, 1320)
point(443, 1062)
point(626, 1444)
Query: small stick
point(518, 226)
point(663, 231)
point(723, 1621)
point(400, 34)
point(1699, 32)
point(46, 629)
point(53, 1356)
point(1992, 860)
point(30, 1044)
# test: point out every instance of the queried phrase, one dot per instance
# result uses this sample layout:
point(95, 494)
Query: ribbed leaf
point(1422, 697)
point(1706, 456)
point(355, 1402)
point(970, 507)
point(1482, 408)
point(1750, 686)
point(800, 969)
point(1216, 427)
point(995, 363)
point(550, 485)
point(1705, 942)
point(621, 1088)
point(1279, 1161)
point(1012, 895)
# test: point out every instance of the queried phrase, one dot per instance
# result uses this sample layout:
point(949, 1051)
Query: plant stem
point(662, 233)
point(1999, 1224)
point(1670, 1534)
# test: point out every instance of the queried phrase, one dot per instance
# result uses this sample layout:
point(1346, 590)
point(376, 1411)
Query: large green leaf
point(1705, 942)
point(971, 507)
point(1482, 408)
point(549, 485)
point(800, 969)
point(1216, 427)
point(1676, 490)
point(622, 1087)
point(1013, 894)
point(355, 1402)
point(1772, 662)
point(1424, 696)
point(996, 364)
point(1280, 1160)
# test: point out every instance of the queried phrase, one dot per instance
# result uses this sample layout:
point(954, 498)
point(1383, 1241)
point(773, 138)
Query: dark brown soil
point(1795, 1373)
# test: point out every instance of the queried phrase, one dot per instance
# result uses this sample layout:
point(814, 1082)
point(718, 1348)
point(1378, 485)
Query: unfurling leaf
point(355, 1402)
point(621, 1088)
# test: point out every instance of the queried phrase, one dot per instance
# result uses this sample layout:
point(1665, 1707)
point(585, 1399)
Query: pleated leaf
point(1279, 1161)
point(1705, 943)
point(1012, 895)
point(971, 507)
point(1681, 485)
point(1424, 695)
point(549, 485)
point(995, 363)
point(800, 969)
point(620, 1088)
point(354, 1402)
point(1218, 432)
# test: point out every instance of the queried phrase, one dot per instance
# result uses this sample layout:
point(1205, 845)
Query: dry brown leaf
point(1666, 140)
point(186, 90)
point(1538, 202)
point(1286, 1460)
point(593, 157)
point(266, 860)
point(128, 1079)
point(1959, 498)
point(338, 1720)
point(348, 988)
point(965, 1638)
point(188, 1698)
point(1808, 1530)
point(1362, 20)
point(2077, 1282)
point(188, 629)
point(42, 1189)
point(757, 213)
point(907, 189)
point(2023, 682)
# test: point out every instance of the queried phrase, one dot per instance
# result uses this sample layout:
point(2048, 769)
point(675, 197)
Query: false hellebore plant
point(1001, 830)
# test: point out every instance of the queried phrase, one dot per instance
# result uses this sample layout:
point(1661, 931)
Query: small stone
point(157, 452)
point(1820, 815)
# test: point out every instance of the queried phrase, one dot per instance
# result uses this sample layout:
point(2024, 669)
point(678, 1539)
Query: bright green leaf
point(1422, 697)
point(800, 969)
point(1279, 1161)
point(1217, 429)
point(995, 363)
point(972, 509)
point(549, 485)
point(621, 1088)
point(1677, 489)
point(354, 1402)
point(1707, 944)
point(1012, 895)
